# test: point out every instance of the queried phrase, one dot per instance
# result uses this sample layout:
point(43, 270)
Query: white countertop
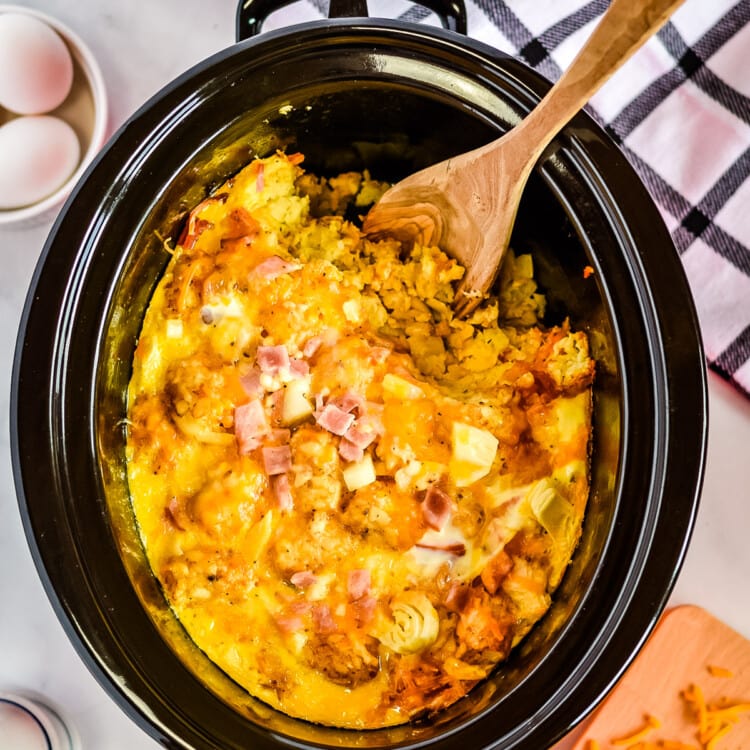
point(141, 46)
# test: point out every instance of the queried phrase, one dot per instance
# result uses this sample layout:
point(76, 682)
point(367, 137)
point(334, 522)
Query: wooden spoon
point(467, 204)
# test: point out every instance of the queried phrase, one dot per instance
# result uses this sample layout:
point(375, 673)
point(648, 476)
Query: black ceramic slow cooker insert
point(392, 97)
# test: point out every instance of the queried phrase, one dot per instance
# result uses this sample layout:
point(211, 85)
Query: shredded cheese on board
point(714, 721)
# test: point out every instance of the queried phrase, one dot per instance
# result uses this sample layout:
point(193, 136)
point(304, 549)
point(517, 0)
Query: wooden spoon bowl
point(467, 204)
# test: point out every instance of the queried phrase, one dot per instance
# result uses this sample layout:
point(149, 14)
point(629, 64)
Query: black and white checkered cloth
point(680, 111)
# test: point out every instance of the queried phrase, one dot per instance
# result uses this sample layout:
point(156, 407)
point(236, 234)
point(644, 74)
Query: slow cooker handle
point(251, 14)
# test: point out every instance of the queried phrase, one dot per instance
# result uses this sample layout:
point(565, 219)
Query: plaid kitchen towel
point(680, 111)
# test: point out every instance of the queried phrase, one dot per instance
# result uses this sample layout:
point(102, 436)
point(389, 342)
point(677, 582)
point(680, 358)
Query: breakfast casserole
point(356, 503)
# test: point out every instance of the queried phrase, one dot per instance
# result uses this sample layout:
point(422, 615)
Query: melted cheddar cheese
point(356, 504)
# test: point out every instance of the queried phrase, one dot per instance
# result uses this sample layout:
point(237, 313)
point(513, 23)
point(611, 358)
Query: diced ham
point(452, 548)
point(173, 512)
point(273, 267)
point(364, 610)
point(299, 368)
point(301, 606)
point(272, 359)
point(275, 404)
point(457, 596)
point(312, 345)
point(250, 382)
point(250, 424)
point(241, 225)
point(323, 619)
point(348, 401)
point(334, 419)
point(282, 491)
point(358, 583)
point(302, 579)
point(280, 435)
point(359, 435)
point(437, 508)
point(349, 451)
point(235, 243)
point(289, 623)
point(277, 459)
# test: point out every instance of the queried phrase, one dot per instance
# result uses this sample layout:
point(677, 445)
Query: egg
point(38, 154)
point(36, 69)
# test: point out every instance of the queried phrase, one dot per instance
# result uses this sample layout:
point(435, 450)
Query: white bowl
point(26, 723)
point(84, 109)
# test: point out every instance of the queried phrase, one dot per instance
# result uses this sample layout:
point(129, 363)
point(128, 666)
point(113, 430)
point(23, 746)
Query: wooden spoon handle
point(623, 28)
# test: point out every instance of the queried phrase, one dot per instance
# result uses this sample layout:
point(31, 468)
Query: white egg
point(38, 154)
point(36, 69)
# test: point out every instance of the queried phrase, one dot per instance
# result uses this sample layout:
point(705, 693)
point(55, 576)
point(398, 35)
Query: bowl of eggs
point(53, 112)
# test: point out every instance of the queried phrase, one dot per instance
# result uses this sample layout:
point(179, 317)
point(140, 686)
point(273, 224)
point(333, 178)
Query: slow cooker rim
point(368, 26)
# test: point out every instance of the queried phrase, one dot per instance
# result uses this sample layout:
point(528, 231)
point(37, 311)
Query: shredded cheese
point(715, 671)
point(651, 724)
point(167, 244)
point(713, 722)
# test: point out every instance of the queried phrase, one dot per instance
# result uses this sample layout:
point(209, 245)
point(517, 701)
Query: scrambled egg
point(355, 503)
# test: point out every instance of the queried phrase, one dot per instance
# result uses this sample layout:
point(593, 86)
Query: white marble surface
point(141, 46)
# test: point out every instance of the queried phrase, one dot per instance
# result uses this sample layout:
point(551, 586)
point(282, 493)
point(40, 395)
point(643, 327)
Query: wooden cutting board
point(684, 644)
